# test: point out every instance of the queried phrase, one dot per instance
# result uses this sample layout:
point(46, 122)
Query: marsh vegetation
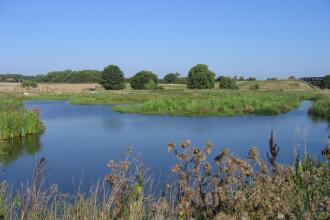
point(15, 121)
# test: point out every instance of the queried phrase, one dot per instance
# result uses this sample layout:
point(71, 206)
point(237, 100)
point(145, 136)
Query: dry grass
point(228, 188)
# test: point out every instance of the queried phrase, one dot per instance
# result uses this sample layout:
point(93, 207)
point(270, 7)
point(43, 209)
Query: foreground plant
point(225, 187)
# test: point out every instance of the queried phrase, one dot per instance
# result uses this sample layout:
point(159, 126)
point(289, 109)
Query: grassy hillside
point(271, 85)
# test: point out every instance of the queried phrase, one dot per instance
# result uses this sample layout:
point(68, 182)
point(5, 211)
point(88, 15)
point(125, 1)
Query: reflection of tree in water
point(11, 150)
point(326, 149)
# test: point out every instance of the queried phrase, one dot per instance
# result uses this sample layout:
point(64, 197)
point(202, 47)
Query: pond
point(79, 140)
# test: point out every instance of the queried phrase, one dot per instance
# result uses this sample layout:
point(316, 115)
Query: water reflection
point(12, 150)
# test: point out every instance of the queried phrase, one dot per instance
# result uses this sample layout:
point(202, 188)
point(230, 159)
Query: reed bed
point(226, 187)
point(15, 121)
point(191, 102)
point(224, 104)
point(321, 108)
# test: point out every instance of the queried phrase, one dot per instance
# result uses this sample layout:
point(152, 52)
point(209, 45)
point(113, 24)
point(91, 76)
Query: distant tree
point(292, 78)
point(241, 78)
point(144, 80)
point(181, 80)
point(112, 78)
point(325, 83)
point(200, 77)
point(227, 83)
point(251, 79)
point(29, 84)
point(171, 78)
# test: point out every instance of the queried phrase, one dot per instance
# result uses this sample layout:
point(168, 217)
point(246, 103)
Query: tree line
point(112, 77)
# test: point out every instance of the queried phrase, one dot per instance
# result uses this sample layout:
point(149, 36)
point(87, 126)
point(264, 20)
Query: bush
point(227, 83)
point(325, 84)
point(29, 84)
point(112, 78)
point(171, 78)
point(200, 77)
point(255, 86)
point(144, 80)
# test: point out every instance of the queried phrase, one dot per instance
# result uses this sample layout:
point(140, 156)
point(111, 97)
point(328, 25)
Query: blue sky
point(262, 38)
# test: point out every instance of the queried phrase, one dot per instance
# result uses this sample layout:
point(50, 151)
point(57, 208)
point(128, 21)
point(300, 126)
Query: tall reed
point(15, 121)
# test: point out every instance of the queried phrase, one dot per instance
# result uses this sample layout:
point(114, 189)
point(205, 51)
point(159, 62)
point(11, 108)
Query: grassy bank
point(15, 121)
point(321, 108)
point(226, 188)
point(190, 102)
point(223, 104)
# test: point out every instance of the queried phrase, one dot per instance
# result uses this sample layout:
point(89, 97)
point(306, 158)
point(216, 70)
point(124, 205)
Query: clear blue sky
point(263, 38)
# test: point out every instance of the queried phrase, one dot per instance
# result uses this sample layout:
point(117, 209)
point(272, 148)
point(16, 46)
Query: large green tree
point(171, 77)
point(112, 78)
point(200, 77)
point(144, 80)
point(325, 84)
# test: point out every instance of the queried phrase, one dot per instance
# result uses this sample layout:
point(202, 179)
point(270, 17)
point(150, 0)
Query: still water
point(80, 139)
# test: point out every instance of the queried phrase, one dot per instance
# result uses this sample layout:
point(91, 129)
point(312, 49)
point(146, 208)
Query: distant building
point(316, 81)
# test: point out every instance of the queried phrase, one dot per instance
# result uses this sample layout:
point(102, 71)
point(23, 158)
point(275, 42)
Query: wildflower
point(170, 146)
point(111, 164)
point(208, 147)
point(186, 144)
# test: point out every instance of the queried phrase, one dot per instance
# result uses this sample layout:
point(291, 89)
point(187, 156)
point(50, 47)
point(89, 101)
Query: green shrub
point(325, 84)
point(227, 83)
point(200, 77)
point(255, 86)
point(112, 78)
point(144, 80)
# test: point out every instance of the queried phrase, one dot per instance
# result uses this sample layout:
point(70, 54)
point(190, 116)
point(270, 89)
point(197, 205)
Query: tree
point(171, 77)
point(29, 84)
point(227, 83)
point(325, 83)
point(200, 77)
point(144, 80)
point(112, 78)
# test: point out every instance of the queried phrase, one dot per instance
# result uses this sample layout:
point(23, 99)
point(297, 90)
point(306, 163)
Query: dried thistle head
point(111, 164)
point(124, 165)
point(196, 151)
point(176, 168)
point(183, 156)
point(253, 153)
point(208, 147)
point(170, 146)
point(112, 179)
point(186, 144)
point(224, 153)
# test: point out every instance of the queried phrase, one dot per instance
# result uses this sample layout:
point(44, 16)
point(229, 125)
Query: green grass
point(227, 103)
point(321, 108)
point(176, 101)
point(15, 121)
